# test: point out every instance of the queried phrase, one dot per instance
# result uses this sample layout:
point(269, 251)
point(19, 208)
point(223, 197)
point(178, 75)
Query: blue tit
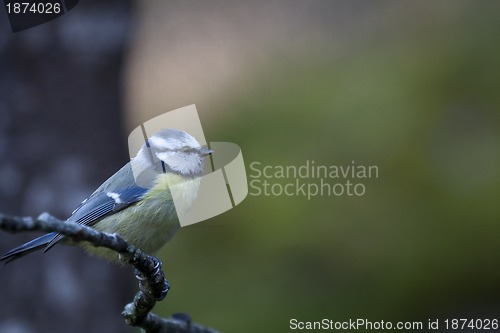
point(136, 201)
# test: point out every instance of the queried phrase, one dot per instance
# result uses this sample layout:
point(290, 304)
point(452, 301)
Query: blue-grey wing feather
point(109, 198)
point(106, 203)
point(115, 194)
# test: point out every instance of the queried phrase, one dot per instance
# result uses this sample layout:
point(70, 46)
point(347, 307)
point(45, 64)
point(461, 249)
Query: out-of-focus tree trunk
point(61, 135)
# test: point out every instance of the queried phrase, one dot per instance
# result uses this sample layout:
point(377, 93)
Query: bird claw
point(154, 282)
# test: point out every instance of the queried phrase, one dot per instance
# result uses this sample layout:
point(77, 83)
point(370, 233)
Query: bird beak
point(205, 151)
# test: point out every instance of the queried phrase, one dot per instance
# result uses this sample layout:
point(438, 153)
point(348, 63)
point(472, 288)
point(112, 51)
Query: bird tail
point(27, 248)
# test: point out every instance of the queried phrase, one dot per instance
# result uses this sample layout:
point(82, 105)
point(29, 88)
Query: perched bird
point(136, 202)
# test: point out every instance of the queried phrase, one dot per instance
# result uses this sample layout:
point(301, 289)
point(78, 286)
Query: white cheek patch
point(115, 197)
point(160, 142)
point(162, 156)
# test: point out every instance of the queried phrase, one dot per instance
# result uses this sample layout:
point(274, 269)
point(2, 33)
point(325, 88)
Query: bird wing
point(100, 205)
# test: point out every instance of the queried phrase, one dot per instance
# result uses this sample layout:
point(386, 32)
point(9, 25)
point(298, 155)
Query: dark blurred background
point(61, 134)
point(408, 86)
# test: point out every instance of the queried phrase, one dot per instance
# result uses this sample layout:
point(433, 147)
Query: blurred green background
point(412, 87)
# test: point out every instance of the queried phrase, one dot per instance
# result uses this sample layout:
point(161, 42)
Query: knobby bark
point(153, 286)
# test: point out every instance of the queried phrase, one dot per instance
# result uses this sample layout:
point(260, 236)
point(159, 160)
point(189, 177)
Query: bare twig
point(153, 286)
